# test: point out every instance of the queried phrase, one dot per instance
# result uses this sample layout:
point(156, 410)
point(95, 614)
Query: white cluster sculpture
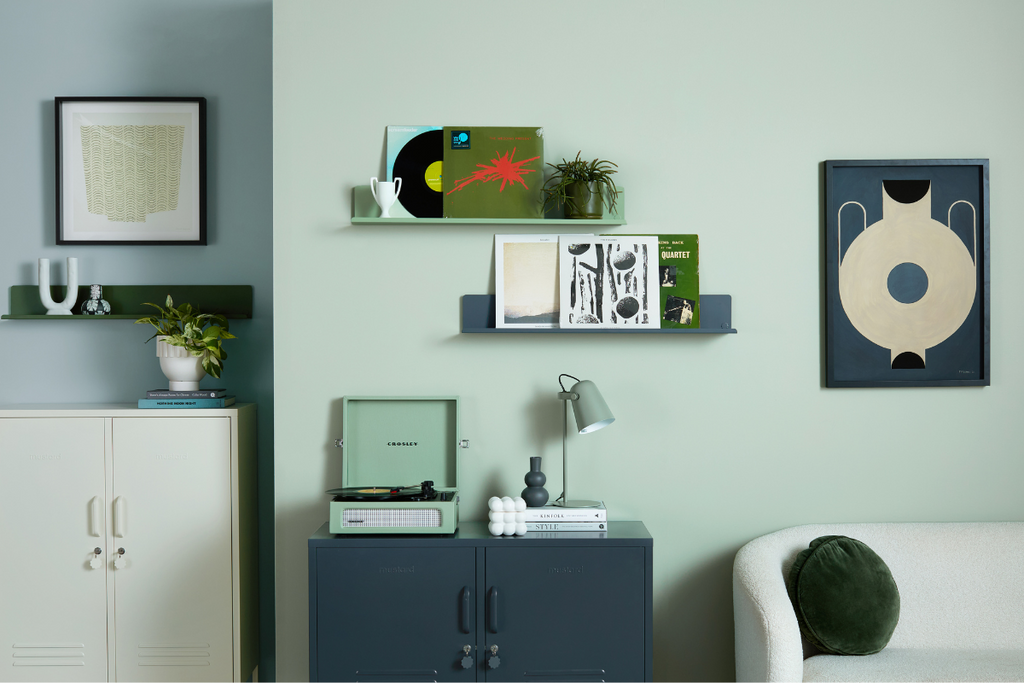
point(507, 516)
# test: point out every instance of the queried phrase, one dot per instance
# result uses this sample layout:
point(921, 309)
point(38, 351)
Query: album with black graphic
point(414, 155)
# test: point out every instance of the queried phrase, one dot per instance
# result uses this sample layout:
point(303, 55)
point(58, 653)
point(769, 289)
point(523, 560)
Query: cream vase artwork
point(877, 277)
point(906, 273)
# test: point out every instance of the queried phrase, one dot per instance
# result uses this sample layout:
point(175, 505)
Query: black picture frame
point(130, 170)
point(907, 286)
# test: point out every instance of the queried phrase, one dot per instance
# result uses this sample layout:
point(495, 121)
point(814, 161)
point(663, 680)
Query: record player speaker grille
point(391, 517)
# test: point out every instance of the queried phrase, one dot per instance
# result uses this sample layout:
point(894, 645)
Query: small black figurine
point(535, 494)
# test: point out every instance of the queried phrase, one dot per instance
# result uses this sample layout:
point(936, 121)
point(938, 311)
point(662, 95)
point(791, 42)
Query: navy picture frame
point(187, 229)
point(899, 290)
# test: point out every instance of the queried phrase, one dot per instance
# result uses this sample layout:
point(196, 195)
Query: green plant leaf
point(555, 190)
point(186, 327)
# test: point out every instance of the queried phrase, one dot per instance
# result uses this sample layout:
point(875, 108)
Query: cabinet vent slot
point(49, 654)
point(566, 674)
point(175, 646)
point(183, 654)
point(396, 673)
point(391, 517)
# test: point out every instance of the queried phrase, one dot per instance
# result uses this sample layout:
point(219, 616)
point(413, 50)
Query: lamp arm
point(565, 441)
point(563, 386)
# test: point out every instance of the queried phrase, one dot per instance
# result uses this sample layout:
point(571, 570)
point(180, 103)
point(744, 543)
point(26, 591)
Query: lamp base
point(578, 503)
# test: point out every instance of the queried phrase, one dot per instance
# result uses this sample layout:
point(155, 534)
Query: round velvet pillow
point(845, 597)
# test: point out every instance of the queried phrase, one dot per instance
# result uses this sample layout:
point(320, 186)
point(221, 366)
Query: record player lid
point(400, 439)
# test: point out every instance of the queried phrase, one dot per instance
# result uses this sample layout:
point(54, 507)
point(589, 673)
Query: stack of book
point(554, 518)
point(201, 398)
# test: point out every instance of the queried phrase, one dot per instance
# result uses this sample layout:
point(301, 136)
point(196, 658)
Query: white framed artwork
point(131, 170)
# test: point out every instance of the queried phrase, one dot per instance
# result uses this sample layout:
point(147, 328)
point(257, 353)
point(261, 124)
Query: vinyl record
point(418, 164)
point(424, 491)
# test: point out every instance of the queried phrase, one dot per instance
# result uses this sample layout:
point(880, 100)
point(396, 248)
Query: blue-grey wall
point(218, 49)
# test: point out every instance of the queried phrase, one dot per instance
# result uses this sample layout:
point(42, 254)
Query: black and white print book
point(608, 282)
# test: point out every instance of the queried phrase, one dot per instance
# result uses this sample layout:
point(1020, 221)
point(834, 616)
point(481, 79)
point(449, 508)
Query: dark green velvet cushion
point(845, 597)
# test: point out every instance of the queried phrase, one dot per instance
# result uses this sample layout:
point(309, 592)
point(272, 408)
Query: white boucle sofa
point(961, 605)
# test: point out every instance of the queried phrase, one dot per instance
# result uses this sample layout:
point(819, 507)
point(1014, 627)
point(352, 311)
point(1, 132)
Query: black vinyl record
point(424, 491)
point(418, 164)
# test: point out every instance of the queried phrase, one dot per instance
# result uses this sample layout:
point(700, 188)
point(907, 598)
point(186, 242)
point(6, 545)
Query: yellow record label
point(433, 176)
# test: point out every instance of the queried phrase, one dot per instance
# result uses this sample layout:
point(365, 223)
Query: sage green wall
point(720, 115)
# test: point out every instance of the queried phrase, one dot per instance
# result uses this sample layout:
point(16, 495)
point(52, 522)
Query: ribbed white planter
point(182, 369)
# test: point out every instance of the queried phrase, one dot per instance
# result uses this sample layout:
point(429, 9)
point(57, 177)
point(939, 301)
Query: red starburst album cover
point(493, 172)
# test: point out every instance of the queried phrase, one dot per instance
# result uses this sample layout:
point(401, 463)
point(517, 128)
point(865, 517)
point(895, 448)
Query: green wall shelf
point(715, 318)
point(365, 210)
point(126, 301)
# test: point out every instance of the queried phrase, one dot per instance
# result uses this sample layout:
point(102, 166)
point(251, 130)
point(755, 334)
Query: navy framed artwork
point(907, 273)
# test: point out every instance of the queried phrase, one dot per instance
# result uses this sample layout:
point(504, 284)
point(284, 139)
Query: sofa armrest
point(768, 642)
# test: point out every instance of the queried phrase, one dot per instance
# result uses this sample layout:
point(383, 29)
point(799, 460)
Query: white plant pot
point(182, 369)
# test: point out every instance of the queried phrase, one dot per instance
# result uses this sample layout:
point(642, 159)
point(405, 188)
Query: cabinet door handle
point(120, 516)
point(464, 603)
point(492, 610)
point(96, 516)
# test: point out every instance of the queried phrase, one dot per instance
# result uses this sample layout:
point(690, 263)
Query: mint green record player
point(399, 466)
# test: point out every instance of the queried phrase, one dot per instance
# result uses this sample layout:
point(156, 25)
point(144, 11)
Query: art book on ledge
point(526, 280)
point(493, 172)
point(608, 281)
point(679, 281)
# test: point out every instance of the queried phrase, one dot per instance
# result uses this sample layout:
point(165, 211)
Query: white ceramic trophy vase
point(64, 307)
point(182, 369)
point(385, 194)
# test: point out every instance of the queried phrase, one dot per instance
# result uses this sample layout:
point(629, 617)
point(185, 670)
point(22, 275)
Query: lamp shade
point(591, 411)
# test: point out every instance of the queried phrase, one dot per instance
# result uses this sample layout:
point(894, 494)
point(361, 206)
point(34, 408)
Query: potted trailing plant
point(188, 343)
point(582, 187)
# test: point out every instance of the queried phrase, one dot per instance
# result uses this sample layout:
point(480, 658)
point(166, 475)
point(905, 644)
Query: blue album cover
point(414, 153)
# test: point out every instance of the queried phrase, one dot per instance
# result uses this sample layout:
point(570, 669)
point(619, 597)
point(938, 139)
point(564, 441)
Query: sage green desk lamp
point(591, 414)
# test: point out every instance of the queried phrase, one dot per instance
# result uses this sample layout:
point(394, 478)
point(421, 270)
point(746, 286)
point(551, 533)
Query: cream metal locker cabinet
point(132, 543)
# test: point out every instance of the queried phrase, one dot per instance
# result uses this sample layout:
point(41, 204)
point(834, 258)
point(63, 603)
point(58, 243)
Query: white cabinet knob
point(119, 561)
point(95, 562)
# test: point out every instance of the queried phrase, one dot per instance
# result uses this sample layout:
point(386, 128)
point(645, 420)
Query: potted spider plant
point(584, 188)
point(188, 343)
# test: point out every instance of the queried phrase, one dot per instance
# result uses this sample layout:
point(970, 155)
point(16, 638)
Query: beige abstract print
point(132, 171)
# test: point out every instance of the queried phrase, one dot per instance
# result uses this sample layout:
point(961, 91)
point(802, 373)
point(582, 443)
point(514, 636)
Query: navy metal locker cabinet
point(565, 614)
point(473, 607)
point(370, 600)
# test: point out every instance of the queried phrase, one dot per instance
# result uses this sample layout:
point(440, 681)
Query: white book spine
point(547, 514)
point(567, 526)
